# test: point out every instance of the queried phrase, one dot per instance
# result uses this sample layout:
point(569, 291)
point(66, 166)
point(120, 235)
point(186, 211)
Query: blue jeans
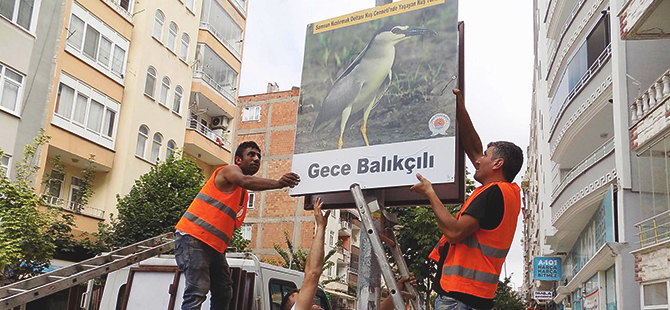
point(447, 303)
point(205, 269)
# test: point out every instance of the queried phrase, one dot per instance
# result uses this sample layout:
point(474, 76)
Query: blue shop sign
point(547, 268)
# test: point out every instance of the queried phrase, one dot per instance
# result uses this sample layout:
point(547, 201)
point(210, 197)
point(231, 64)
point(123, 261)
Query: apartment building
point(118, 85)
point(585, 196)
point(645, 29)
point(270, 120)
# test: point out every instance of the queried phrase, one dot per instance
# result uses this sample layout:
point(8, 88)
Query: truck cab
point(157, 283)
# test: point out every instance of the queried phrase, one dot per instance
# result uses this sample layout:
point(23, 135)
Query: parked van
point(157, 283)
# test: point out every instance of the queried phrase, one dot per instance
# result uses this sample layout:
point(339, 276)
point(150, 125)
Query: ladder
point(365, 210)
point(25, 291)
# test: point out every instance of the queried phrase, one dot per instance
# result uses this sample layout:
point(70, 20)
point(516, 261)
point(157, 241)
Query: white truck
point(157, 283)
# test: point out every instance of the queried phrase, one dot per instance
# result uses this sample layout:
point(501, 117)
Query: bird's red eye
point(395, 30)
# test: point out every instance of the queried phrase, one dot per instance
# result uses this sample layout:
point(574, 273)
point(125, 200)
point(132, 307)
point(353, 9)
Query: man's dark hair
point(512, 156)
point(284, 301)
point(244, 146)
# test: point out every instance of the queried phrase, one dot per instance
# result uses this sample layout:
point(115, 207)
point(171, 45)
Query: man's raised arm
point(470, 140)
point(233, 175)
point(314, 266)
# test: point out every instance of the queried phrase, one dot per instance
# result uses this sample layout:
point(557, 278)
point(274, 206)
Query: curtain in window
point(117, 61)
point(150, 83)
point(76, 32)
point(156, 148)
point(91, 42)
point(159, 21)
point(95, 116)
point(142, 137)
point(80, 109)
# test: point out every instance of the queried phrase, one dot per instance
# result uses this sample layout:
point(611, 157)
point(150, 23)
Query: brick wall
point(653, 264)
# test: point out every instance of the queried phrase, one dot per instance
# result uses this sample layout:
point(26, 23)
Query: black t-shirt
point(489, 208)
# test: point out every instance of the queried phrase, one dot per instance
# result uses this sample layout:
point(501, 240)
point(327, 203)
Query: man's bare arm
point(232, 176)
point(468, 135)
point(455, 230)
point(314, 266)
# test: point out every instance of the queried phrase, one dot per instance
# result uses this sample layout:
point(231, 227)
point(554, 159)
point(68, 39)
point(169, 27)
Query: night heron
point(365, 81)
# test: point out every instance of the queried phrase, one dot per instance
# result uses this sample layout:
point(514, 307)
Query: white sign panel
point(542, 295)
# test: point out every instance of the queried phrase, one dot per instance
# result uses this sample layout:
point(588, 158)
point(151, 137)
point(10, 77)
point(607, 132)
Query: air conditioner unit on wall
point(219, 122)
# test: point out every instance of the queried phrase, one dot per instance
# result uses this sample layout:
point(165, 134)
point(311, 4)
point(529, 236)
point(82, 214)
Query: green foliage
point(238, 243)
point(86, 183)
point(297, 260)
point(30, 232)
point(155, 203)
point(506, 298)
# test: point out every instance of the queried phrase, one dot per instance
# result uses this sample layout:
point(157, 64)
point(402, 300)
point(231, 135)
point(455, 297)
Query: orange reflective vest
point(214, 215)
point(473, 265)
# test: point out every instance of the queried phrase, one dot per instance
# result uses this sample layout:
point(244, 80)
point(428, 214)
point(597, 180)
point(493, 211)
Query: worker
point(206, 228)
point(474, 244)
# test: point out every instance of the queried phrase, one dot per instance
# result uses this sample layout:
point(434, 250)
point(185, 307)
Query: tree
point(506, 298)
point(30, 231)
point(155, 203)
point(297, 260)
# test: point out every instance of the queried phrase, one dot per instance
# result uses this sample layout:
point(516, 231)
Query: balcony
point(654, 230)
point(232, 47)
point(343, 256)
point(345, 228)
point(240, 6)
point(224, 90)
point(645, 19)
point(74, 207)
point(207, 145)
point(647, 116)
point(589, 161)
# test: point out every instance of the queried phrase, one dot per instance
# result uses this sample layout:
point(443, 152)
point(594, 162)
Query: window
point(331, 238)
point(189, 5)
point(221, 25)
point(172, 36)
point(171, 145)
point(176, 104)
point(156, 148)
point(91, 42)
point(103, 48)
point(18, 11)
point(216, 72)
point(655, 296)
point(124, 4)
point(10, 89)
point(246, 231)
point(159, 21)
point(55, 183)
point(75, 191)
point(279, 289)
point(165, 90)
point(183, 52)
point(76, 32)
point(4, 165)
point(251, 202)
point(150, 83)
point(251, 114)
point(86, 112)
point(142, 137)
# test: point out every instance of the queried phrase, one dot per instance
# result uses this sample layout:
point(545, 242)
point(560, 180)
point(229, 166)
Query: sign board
point(547, 268)
point(542, 295)
point(376, 105)
point(591, 301)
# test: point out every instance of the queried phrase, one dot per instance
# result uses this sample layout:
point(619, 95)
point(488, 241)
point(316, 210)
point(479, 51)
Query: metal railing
point(225, 91)
point(584, 165)
point(74, 206)
point(654, 230)
point(345, 225)
point(230, 45)
point(656, 94)
point(209, 134)
point(240, 5)
point(344, 252)
point(353, 270)
point(583, 81)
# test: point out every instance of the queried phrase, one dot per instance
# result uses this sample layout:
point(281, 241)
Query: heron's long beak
point(418, 32)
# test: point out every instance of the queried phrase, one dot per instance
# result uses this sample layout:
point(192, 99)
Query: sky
point(498, 66)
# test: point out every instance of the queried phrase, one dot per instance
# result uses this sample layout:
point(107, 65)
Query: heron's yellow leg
point(364, 128)
point(343, 124)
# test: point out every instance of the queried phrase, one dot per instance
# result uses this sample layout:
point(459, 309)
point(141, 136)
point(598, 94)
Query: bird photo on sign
point(379, 80)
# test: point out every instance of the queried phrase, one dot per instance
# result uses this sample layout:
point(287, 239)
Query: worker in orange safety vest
point(474, 244)
point(206, 228)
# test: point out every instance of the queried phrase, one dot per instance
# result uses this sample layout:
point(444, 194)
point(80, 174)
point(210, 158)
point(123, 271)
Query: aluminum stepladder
point(365, 210)
point(34, 288)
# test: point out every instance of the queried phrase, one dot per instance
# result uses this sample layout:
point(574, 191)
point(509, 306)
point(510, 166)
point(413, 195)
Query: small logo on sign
point(439, 124)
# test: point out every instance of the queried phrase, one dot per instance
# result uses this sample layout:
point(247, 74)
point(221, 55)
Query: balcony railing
point(209, 134)
point(240, 6)
point(656, 94)
point(353, 269)
point(344, 252)
point(225, 91)
point(345, 224)
point(229, 45)
point(74, 207)
point(654, 230)
point(589, 161)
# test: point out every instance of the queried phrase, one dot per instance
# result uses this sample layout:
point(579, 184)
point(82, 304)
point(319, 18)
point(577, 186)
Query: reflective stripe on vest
point(470, 274)
point(217, 204)
point(490, 251)
point(207, 226)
